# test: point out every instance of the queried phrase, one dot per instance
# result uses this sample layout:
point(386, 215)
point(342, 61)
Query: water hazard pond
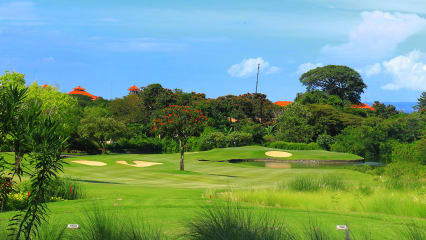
point(269, 163)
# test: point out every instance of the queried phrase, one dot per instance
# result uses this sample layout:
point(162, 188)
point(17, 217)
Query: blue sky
point(214, 46)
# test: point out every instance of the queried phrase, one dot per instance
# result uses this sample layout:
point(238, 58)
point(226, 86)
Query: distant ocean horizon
point(400, 106)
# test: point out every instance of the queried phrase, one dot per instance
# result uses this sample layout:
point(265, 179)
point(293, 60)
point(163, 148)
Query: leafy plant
point(46, 144)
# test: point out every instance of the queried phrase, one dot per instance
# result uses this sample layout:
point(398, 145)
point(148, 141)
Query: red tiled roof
point(82, 91)
point(282, 103)
point(363, 106)
point(134, 88)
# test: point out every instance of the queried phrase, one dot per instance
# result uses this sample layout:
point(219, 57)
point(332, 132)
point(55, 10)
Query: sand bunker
point(139, 163)
point(90, 163)
point(278, 154)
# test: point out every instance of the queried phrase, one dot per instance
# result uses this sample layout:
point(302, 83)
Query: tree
point(421, 104)
point(29, 132)
point(98, 125)
point(15, 78)
point(18, 118)
point(180, 122)
point(318, 97)
point(336, 80)
point(383, 111)
point(57, 105)
point(155, 97)
point(293, 124)
point(129, 109)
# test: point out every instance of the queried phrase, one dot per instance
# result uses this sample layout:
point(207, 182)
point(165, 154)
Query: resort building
point(361, 105)
point(133, 90)
point(282, 103)
point(82, 91)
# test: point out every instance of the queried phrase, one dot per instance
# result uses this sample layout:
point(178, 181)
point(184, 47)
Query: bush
point(403, 175)
point(5, 189)
point(237, 139)
point(255, 129)
point(421, 151)
point(16, 201)
point(293, 124)
point(57, 190)
point(193, 144)
point(311, 184)
point(325, 141)
point(212, 140)
point(294, 146)
point(100, 225)
point(231, 221)
point(139, 144)
point(404, 152)
point(304, 184)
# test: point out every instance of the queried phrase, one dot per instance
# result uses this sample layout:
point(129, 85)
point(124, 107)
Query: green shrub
point(366, 189)
point(304, 184)
point(212, 140)
point(57, 190)
point(403, 175)
point(99, 224)
point(294, 146)
point(16, 201)
point(5, 189)
point(169, 145)
point(60, 188)
point(293, 124)
point(404, 152)
point(333, 182)
point(138, 144)
point(312, 184)
point(421, 151)
point(269, 138)
point(314, 231)
point(237, 139)
point(255, 129)
point(193, 144)
point(414, 232)
point(325, 141)
point(231, 221)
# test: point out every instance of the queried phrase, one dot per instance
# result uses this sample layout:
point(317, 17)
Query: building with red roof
point(282, 103)
point(363, 106)
point(134, 90)
point(79, 90)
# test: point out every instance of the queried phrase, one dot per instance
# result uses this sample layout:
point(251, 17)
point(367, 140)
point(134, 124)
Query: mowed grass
point(166, 197)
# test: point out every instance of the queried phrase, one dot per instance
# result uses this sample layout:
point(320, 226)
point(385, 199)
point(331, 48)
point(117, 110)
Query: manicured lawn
point(164, 196)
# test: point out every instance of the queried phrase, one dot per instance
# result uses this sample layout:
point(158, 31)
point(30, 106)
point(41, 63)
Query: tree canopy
point(421, 102)
point(180, 122)
point(336, 80)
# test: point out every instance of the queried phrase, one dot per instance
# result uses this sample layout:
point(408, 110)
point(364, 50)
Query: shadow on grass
point(94, 181)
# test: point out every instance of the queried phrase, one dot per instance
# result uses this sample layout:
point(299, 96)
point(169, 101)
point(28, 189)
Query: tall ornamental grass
point(227, 220)
point(99, 224)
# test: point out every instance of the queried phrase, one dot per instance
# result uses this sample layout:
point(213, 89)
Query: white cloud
point(248, 67)
point(108, 20)
point(17, 11)
point(307, 66)
point(142, 45)
point(408, 71)
point(373, 70)
point(376, 37)
point(48, 59)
